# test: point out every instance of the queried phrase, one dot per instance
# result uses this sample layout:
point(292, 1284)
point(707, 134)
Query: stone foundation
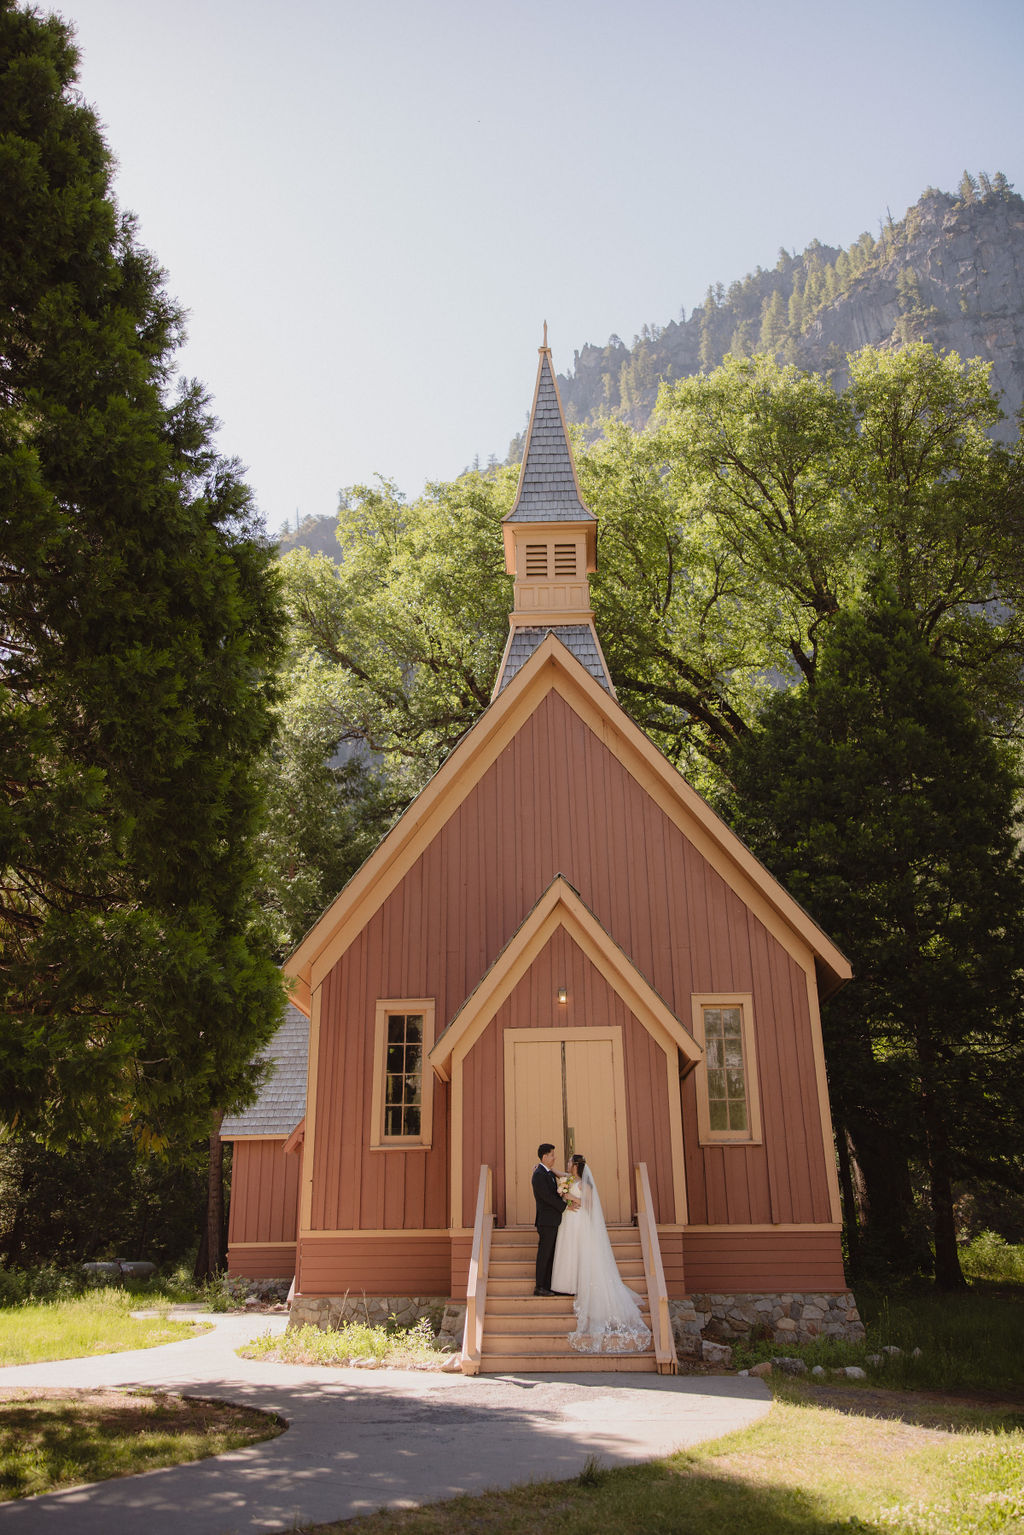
point(262, 1292)
point(789, 1317)
point(703, 1325)
point(331, 1311)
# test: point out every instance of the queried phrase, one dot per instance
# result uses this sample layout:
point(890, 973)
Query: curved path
point(358, 1440)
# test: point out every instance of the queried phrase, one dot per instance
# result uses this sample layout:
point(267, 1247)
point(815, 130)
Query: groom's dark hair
point(544, 1148)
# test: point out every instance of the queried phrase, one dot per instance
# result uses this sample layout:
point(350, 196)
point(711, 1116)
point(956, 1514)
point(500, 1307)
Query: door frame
point(598, 1032)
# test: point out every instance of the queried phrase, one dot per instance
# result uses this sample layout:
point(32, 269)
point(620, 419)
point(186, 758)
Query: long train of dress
point(608, 1319)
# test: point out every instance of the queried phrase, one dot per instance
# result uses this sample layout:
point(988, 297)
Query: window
point(403, 1083)
point(728, 1108)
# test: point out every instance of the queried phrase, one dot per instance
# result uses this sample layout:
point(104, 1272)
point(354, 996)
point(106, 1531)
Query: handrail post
point(476, 1286)
point(654, 1273)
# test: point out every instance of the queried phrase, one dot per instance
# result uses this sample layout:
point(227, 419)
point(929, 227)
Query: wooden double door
point(566, 1086)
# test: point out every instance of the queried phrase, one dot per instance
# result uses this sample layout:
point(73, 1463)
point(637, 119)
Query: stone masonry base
point(331, 1311)
point(789, 1317)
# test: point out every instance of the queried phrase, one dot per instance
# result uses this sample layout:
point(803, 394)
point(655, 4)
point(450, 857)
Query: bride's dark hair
point(579, 1163)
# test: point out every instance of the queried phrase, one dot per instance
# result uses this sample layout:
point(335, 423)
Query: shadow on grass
point(972, 1413)
point(669, 1497)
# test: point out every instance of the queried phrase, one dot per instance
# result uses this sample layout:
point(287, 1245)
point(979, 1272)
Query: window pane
point(733, 1055)
point(393, 1089)
point(731, 1021)
point(738, 1115)
point(735, 1085)
point(414, 1028)
point(395, 1058)
point(412, 1121)
point(718, 1114)
point(396, 1028)
point(392, 1121)
point(712, 1020)
point(716, 1084)
point(715, 1053)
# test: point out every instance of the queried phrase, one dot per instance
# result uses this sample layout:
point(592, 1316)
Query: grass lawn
point(826, 1461)
point(61, 1438)
point(95, 1323)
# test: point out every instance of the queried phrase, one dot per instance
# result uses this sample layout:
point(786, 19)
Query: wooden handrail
point(657, 1295)
point(476, 1287)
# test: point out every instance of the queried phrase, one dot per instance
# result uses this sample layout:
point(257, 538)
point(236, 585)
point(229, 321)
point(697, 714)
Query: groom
point(550, 1205)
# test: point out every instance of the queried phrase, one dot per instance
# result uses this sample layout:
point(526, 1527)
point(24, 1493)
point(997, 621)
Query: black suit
point(550, 1205)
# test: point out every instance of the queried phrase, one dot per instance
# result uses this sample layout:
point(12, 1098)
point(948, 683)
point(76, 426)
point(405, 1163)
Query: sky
point(369, 207)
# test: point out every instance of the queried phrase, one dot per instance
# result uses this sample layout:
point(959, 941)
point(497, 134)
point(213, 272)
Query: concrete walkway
point(359, 1440)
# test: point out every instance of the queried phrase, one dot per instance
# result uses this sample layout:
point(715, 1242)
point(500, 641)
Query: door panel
point(536, 1103)
point(593, 1106)
point(590, 1106)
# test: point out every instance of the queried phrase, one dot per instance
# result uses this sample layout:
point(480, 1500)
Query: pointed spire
point(548, 488)
point(550, 543)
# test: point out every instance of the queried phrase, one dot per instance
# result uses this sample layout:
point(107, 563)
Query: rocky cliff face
point(950, 273)
point(967, 294)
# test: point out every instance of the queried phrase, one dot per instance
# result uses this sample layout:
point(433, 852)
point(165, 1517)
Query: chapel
point(558, 941)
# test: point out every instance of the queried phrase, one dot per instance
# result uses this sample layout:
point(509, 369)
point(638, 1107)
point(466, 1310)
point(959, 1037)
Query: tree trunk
point(882, 1159)
point(948, 1273)
point(210, 1258)
point(851, 1214)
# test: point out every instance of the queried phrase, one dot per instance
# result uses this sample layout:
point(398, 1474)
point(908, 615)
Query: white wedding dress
point(608, 1319)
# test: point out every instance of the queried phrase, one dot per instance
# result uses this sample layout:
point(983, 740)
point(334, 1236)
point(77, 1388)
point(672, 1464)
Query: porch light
point(563, 995)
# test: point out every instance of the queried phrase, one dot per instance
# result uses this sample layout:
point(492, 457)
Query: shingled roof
point(548, 489)
point(579, 639)
point(282, 1100)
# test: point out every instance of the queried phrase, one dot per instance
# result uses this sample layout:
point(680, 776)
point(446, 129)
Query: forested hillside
point(950, 272)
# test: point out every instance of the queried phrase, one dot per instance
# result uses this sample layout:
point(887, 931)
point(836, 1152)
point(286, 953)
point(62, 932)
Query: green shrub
point(386, 1343)
point(988, 1256)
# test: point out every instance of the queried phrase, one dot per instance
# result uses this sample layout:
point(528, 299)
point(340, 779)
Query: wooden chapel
point(561, 941)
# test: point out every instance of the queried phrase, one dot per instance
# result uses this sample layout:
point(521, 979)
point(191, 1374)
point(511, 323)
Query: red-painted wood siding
point(406, 1264)
point(762, 1261)
point(262, 1262)
point(264, 1193)
point(557, 801)
point(532, 1004)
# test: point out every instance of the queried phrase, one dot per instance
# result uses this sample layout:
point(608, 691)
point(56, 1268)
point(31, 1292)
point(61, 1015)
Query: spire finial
point(545, 344)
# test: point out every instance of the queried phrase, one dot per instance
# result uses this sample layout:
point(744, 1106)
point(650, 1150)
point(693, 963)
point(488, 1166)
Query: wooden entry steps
point(525, 1332)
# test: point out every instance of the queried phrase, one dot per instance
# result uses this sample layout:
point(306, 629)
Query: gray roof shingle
point(547, 489)
point(282, 1100)
point(579, 639)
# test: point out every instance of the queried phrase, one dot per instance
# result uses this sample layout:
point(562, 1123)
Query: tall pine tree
point(139, 630)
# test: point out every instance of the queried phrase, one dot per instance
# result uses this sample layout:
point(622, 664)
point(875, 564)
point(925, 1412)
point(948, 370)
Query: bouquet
point(565, 1183)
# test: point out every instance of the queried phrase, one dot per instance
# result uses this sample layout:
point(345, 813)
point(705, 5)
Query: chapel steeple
point(550, 543)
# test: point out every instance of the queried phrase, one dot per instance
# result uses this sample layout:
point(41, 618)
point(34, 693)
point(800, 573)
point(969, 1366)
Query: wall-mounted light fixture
point(563, 995)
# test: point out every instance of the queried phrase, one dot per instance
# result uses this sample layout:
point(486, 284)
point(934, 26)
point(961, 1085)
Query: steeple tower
point(550, 543)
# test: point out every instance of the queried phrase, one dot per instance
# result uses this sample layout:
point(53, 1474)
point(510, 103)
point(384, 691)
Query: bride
point(608, 1319)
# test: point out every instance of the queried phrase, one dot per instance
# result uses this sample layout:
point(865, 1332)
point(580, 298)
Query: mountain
point(318, 534)
point(950, 272)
